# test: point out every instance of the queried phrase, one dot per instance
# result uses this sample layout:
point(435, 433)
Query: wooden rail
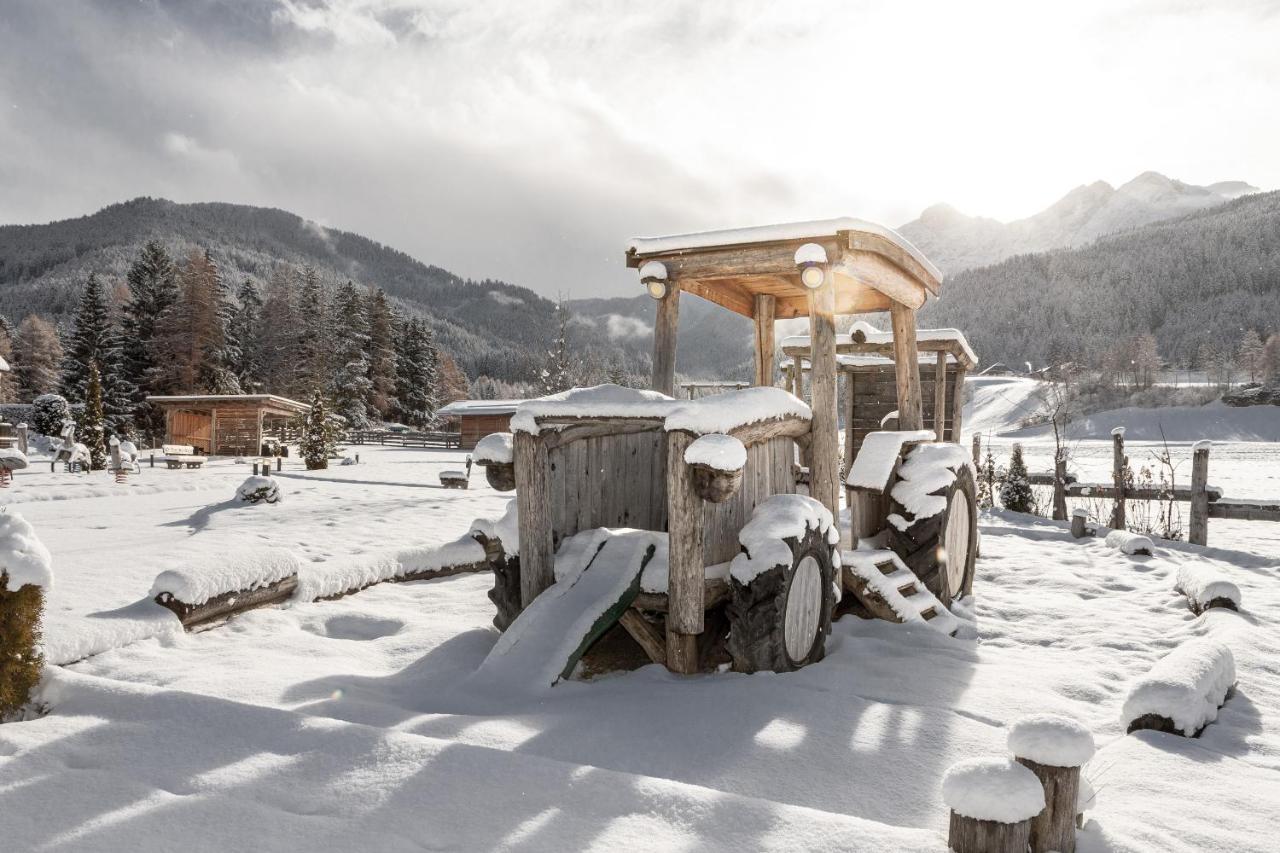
point(405, 439)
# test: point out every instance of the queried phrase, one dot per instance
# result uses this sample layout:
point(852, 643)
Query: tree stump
point(970, 835)
point(1055, 827)
point(1054, 748)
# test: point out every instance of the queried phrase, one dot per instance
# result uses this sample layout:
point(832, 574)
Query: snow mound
point(258, 489)
point(998, 789)
point(23, 557)
point(1130, 543)
point(1051, 739)
point(494, 449)
point(874, 464)
point(1203, 585)
point(775, 519)
point(1187, 686)
point(928, 469)
point(221, 573)
point(505, 528)
point(718, 451)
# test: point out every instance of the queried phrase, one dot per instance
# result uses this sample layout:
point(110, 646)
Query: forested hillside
point(1197, 284)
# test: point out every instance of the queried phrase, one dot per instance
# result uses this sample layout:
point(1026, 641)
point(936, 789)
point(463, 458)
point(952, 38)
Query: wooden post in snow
point(22, 438)
point(664, 341)
point(1198, 532)
point(906, 366)
point(977, 449)
point(533, 505)
point(1118, 517)
point(940, 397)
point(764, 311)
point(685, 579)
point(957, 402)
point(1060, 486)
point(970, 835)
point(824, 449)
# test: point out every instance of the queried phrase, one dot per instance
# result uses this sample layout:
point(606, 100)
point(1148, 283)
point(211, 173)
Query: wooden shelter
point(226, 424)
point(812, 269)
point(478, 418)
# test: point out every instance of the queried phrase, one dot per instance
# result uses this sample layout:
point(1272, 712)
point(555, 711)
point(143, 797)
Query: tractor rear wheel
point(941, 549)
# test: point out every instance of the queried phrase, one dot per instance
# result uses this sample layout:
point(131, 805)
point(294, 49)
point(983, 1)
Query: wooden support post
point(764, 310)
point(824, 449)
point(1060, 486)
point(1055, 827)
point(940, 398)
point(665, 326)
point(906, 366)
point(22, 438)
point(1079, 524)
point(957, 404)
point(1198, 532)
point(977, 448)
point(255, 469)
point(533, 504)
point(686, 574)
point(970, 835)
point(1118, 516)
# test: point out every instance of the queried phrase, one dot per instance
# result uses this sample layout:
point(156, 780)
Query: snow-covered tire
point(505, 594)
point(926, 545)
point(780, 620)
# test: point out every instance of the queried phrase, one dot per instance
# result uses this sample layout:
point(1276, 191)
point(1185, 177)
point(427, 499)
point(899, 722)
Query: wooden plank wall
point(191, 428)
point(476, 427)
point(873, 394)
point(620, 481)
point(237, 432)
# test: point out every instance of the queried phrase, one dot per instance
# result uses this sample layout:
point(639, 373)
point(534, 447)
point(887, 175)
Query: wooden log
point(685, 604)
point(824, 450)
point(229, 603)
point(501, 477)
point(940, 398)
point(646, 635)
point(1060, 487)
point(713, 485)
point(533, 504)
point(957, 403)
point(1079, 524)
point(970, 835)
point(1055, 827)
point(763, 322)
point(665, 327)
point(1198, 529)
point(906, 367)
point(1118, 520)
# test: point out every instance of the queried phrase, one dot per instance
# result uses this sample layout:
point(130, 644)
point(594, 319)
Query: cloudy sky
point(527, 140)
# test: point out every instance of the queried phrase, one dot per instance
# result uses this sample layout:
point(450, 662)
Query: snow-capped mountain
point(956, 241)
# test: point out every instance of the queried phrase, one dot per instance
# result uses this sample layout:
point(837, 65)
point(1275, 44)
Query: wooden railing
point(405, 439)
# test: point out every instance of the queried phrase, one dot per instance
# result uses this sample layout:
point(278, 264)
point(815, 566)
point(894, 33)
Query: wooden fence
point(1206, 501)
point(405, 439)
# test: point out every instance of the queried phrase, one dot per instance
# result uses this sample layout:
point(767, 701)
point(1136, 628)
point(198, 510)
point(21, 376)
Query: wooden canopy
point(872, 266)
point(223, 424)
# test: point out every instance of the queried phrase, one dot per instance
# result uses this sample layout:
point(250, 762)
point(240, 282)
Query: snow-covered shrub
point(25, 573)
point(1015, 491)
point(258, 489)
point(319, 436)
point(48, 412)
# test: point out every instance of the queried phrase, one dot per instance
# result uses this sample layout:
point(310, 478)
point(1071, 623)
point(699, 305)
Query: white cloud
point(619, 326)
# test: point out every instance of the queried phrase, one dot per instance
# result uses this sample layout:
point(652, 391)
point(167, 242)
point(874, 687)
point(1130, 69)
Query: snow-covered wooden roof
point(267, 402)
point(473, 408)
point(873, 265)
point(864, 339)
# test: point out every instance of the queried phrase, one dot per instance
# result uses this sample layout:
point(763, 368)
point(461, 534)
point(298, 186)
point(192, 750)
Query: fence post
point(977, 449)
point(22, 438)
point(1198, 533)
point(278, 463)
point(1118, 519)
point(1060, 485)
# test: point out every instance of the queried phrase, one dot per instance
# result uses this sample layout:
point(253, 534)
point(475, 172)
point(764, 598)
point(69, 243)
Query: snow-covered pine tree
point(8, 382)
point(556, 371)
point(319, 439)
point(277, 333)
point(153, 288)
point(192, 352)
point(313, 341)
point(37, 357)
point(215, 371)
point(382, 354)
point(417, 375)
point(1015, 491)
point(351, 387)
point(242, 332)
point(95, 341)
point(91, 427)
point(48, 412)
point(1251, 355)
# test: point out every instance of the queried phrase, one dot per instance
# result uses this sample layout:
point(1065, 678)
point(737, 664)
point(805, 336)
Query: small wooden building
point(226, 424)
point(478, 418)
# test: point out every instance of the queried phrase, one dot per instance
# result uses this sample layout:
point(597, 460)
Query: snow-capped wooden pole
point(824, 449)
point(665, 326)
point(22, 437)
point(685, 589)
point(1080, 522)
point(1118, 517)
point(906, 367)
point(957, 402)
point(992, 802)
point(1198, 531)
point(940, 397)
point(533, 505)
point(1054, 748)
point(1060, 486)
point(765, 305)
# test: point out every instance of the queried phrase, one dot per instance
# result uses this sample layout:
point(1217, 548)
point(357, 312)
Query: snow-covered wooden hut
point(226, 424)
point(478, 418)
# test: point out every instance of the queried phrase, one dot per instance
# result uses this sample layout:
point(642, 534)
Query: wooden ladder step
point(887, 567)
point(908, 589)
point(928, 613)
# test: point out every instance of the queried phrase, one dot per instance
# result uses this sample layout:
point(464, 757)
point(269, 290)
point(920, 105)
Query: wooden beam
point(906, 367)
point(764, 307)
point(726, 294)
point(957, 403)
point(665, 327)
point(824, 451)
point(940, 397)
point(873, 271)
point(1198, 531)
point(646, 635)
point(533, 504)
point(685, 604)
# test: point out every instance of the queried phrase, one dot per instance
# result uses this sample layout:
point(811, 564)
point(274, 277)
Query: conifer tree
point(351, 387)
point(1251, 355)
point(557, 368)
point(242, 331)
point(1015, 491)
point(1271, 361)
point(91, 427)
point(95, 341)
point(37, 357)
point(313, 339)
point(319, 438)
point(277, 334)
point(8, 382)
point(417, 375)
point(153, 288)
point(382, 355)
point(193, 353)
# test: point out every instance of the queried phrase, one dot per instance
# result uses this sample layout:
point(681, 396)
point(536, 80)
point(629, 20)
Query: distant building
point(998, 369)
point(478, 418)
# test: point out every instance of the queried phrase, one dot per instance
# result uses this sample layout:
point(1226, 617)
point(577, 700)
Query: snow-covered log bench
point(1130, 543)
point(227, 583)
point(1206, 588)
point(1182, 693)
point(992, 802)
point(181, 456)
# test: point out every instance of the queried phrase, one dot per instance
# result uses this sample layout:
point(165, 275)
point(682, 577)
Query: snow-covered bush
point(25, 573)
point(1015, 491)
point(47, 414)
point(258, 489)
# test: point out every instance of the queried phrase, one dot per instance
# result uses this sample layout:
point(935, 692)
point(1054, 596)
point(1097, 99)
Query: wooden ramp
point(890, 590)
point(597, 579)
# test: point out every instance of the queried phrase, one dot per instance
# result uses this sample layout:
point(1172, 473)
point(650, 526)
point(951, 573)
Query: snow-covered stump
point(1206, 589)
point(1130, 543)
point(226, 584)
point(26, 573)
point(496, 454)
point(992, 802)
point(1054, 748)
point(1080, 523)
point(716, 463)
point(1182, 693)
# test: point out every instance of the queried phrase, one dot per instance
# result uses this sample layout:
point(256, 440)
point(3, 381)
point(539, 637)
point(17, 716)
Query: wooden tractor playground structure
point(678, 523)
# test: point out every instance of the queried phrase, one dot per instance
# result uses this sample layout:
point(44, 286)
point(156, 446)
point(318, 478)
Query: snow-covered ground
point(354, 724)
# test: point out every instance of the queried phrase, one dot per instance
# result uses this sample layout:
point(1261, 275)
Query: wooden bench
point(181, 456)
